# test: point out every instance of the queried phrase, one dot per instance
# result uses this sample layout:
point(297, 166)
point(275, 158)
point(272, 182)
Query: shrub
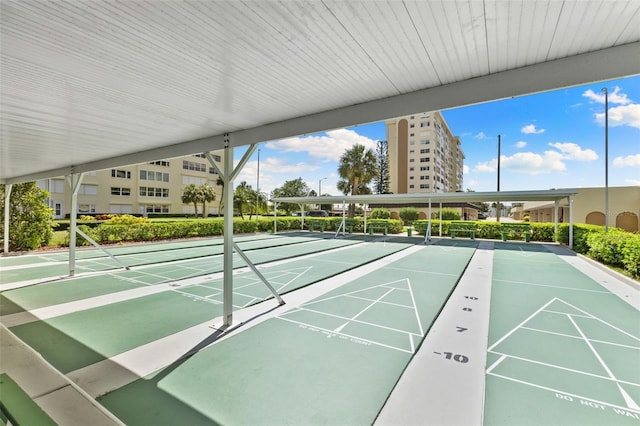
point(380, 213)
point(408, 215)
point(447, 214)
point(30, 219)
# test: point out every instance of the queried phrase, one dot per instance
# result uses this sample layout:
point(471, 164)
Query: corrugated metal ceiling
point(83, 82)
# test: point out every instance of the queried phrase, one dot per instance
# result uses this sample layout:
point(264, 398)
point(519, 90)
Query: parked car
point(317, 213)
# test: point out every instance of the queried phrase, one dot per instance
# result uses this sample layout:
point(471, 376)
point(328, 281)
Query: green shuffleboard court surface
point(81, 338)
point(332, 360)
point(563, 350)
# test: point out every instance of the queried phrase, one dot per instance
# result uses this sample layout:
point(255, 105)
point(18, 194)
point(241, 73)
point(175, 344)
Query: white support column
point(7, 209)
point(555, 217)
point(365, 220)
point(440, 219)
point(227, 231)
point(571, 222)
point(73, 180)
point(275, 217)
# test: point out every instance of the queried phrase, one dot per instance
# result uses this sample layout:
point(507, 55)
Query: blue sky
point(548, 140)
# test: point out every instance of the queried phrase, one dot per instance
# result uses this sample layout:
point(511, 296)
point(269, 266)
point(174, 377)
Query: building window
point(120, 174)
point(411, 186)
point(412, 151)
point(125, 192)
point(88, 190)
point(160, 163)
point(155, 208)
point(424, 168)
point(412, 142)
point(86, 208)
point(410, 177)
point(425, 159)
point(411, 160)
point(411, 169)
point(151, 175)
point(154, 192)
point(424, 186)
point(187, 180)
point(425, 151)
point(412, 126)
point(425, 142)
point(212, 171)
point(201, 155)
point(424, 124)
point(191, 165)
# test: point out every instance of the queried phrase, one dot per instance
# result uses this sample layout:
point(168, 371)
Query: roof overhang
point(86, 86)
point(391, 199)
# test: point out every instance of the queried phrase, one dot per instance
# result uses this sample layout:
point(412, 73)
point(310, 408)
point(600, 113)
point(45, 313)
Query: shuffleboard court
point(77, 339)
point(332, 360)
point(78, 288)
point(562, 349)
point(150, 256)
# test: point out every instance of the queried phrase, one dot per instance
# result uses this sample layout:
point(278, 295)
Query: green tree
point(357, 168)
point(291, 188)
point(381, 181)
point(208, 195)
point(191, 195)
point(244, 199)
point(30, 219)
point(203, 194)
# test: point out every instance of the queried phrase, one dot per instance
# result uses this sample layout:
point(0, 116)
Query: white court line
point(571, 370)
point(602, 321)
point(422, 271)
point(344, 318)
point(564, 393)
point(552, 286)
point(495, 364)
point(521, 324)
point(381, 302)
point(630, 402)
point(347, 335)
point(576, 337)
point(564, 313)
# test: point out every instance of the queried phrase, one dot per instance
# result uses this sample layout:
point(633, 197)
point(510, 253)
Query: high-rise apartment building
point(155, 187)
point(424, 156)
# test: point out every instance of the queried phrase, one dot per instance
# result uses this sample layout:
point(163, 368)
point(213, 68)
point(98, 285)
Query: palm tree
point(191, 194)
point(208, 194)
point(357, 168)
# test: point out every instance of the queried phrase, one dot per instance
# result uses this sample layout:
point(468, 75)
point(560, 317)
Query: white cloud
point(572, 151)
point(615, 97)
point(633, 182)
point(628, 115)
point(531, 129)
point(329, 146)
point(532, 163)
point(628, 161)
point(465, 169)
point(521, 144)
point(481, 135)
point(486, 166)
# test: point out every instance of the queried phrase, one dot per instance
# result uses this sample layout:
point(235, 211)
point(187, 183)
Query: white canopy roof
point(444, 197)
point(88, 85)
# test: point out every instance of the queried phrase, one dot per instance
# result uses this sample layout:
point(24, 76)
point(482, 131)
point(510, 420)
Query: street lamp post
point(606, 159)
point(320, 190)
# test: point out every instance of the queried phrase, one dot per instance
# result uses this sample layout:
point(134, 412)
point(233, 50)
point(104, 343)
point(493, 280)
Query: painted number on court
point(456, 357)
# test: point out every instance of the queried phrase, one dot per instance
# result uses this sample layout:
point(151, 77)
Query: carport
point(90, 86)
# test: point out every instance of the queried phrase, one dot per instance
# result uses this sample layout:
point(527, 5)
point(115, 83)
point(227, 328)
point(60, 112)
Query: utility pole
point(606, 159)
point(498, 203)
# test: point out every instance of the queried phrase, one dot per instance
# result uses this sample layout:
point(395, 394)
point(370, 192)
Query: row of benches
point(507, 230)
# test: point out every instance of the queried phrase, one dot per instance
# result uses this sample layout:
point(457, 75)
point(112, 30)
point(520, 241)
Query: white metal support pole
point(275, 217)
point(7, 210)
point(227, 230)
point(570, 221)
point(73, 180)
point(365, 220)
point(440, 219)
point(555, 217)
point(427, 234)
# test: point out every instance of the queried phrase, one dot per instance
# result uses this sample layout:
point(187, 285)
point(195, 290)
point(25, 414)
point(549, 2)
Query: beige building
point(589, 207)
point(148, 188)
point(424, 156)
